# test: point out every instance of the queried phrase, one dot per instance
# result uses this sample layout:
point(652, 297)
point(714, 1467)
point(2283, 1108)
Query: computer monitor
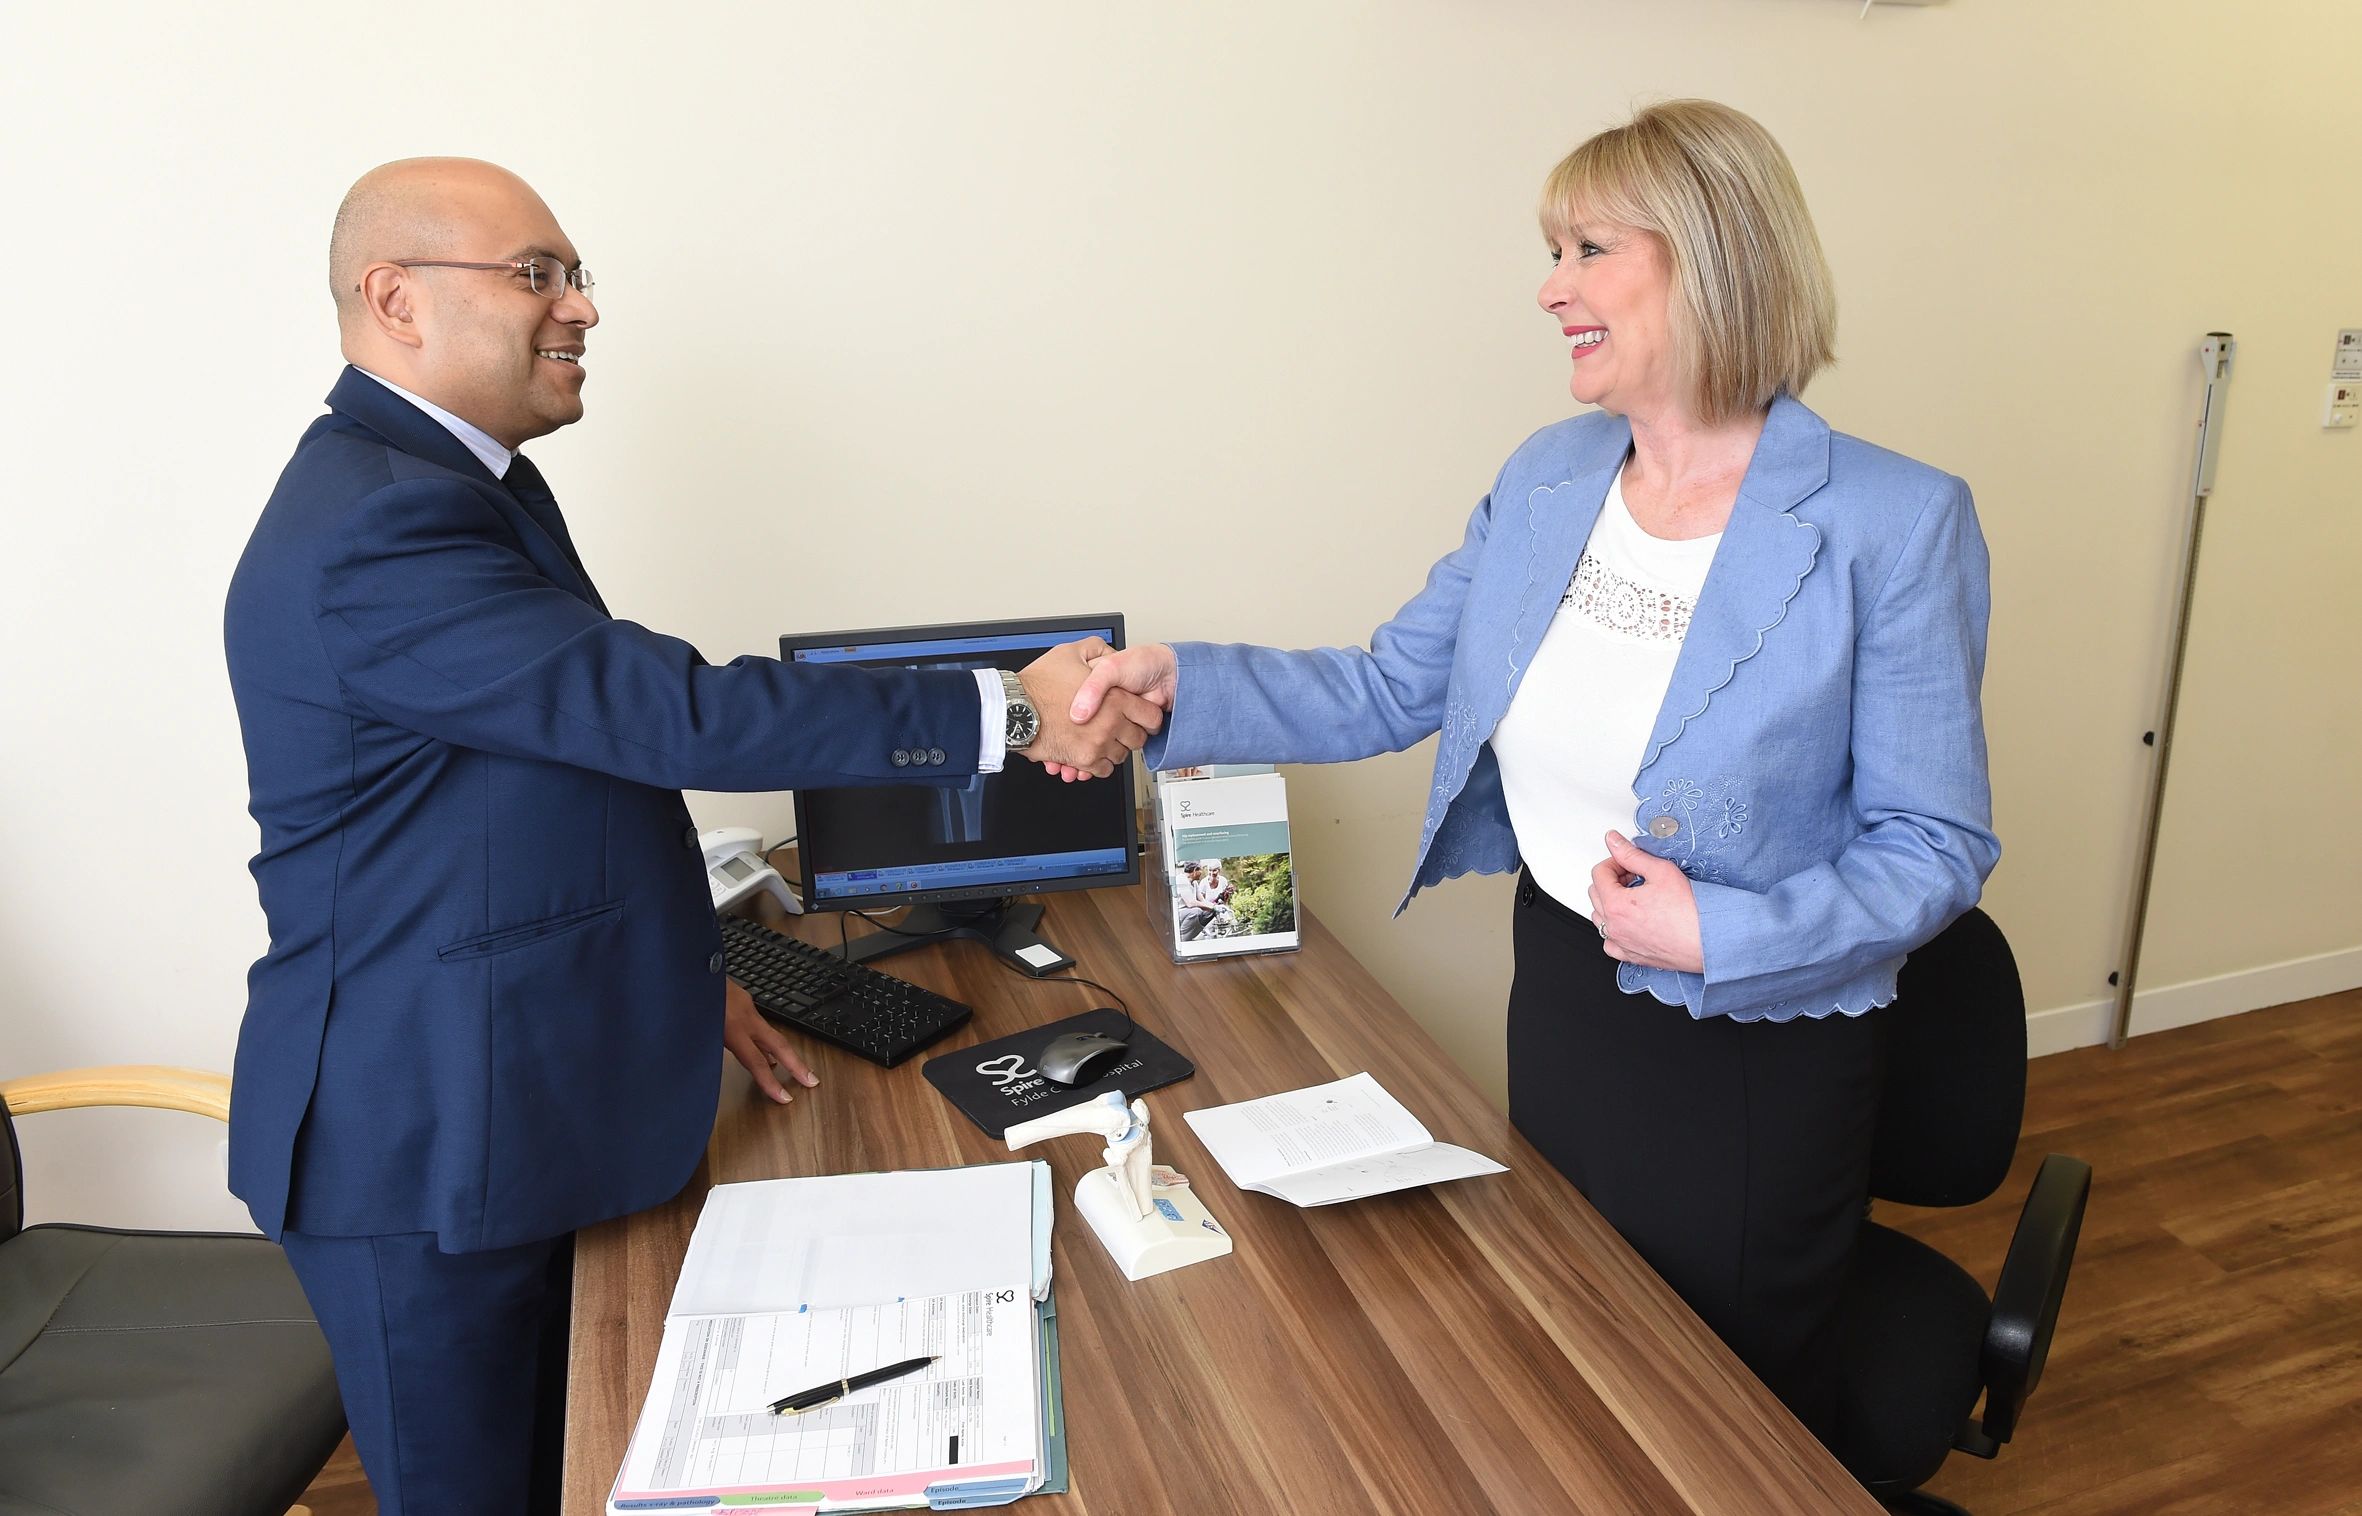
point(961, 854)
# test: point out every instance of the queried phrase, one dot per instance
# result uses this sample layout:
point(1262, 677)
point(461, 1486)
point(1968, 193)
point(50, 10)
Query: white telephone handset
point(735, 868)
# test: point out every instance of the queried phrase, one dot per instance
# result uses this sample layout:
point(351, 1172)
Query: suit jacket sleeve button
point(713, 965)
point(902, 757)
point(689, 839)
point(935, 756)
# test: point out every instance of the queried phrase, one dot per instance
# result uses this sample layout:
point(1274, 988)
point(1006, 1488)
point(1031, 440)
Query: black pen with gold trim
point(837, 1389)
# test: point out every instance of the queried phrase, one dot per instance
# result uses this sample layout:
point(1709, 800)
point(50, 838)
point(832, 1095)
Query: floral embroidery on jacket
point(1708, 818)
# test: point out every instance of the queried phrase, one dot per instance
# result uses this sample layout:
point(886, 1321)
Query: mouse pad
point(996, 1084)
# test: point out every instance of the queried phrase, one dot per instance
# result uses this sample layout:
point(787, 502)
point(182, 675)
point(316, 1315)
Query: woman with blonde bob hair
point(1709, 671)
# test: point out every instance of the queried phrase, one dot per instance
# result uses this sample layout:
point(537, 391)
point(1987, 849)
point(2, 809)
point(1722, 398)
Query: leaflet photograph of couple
point(1253, 895)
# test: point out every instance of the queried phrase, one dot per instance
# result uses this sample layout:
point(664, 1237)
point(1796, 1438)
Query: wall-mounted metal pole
point(2214, 358)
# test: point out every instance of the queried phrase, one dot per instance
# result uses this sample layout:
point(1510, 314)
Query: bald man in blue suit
point(491, 1004)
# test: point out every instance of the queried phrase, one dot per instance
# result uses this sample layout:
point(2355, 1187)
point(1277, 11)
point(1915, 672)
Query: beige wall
point(923, 312)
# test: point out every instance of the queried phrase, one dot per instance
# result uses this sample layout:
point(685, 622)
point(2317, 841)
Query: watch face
point(1020, 722)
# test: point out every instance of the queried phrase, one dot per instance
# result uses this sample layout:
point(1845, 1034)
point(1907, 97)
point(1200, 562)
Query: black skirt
point(1733, 1156)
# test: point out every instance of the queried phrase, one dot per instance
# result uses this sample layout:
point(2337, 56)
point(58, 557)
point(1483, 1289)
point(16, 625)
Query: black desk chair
point(151, 1371)
point(1920, 1341)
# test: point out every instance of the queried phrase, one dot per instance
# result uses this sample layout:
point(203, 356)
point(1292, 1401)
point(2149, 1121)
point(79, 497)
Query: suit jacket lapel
point(1764, 556)
point(532, 507)
point(1557, 521)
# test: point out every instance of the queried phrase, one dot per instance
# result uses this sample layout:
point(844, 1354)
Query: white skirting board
point(2172, 1005)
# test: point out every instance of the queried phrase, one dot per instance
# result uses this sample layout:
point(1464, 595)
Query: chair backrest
point(1953, 1090)
point(12, 1179)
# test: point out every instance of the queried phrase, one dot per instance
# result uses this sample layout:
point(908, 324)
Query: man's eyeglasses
point(548, 276)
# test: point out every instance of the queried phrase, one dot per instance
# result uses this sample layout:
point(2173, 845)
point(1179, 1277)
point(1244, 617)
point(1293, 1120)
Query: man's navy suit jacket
point(492, 1004)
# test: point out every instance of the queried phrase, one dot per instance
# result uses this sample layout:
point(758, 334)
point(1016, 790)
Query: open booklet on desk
point(1328, 1143)
point(793, 1283)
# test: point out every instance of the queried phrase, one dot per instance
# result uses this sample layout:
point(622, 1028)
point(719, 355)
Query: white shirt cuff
point(992, 745)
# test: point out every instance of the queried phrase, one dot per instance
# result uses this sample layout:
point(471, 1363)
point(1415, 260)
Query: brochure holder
point(1221, 872)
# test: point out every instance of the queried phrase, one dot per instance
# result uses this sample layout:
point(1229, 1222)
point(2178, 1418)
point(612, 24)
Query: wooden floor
point(2209, 1358)
point(342, 1489)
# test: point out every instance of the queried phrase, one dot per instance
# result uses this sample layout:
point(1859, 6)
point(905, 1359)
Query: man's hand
point(1147, 672)
point(1645, 910)
point(758, 1044)
point(1073, 746)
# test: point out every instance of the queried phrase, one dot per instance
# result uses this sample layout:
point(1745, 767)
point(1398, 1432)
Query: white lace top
point(1570, 743)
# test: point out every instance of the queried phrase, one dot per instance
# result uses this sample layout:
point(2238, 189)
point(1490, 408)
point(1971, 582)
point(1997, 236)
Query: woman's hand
point(760, 1045)
point(1653, 923)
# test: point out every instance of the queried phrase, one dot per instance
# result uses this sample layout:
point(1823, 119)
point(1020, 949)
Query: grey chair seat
point(135, 1368)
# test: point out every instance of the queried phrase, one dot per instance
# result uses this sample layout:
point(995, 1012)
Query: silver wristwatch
point(1023, 723)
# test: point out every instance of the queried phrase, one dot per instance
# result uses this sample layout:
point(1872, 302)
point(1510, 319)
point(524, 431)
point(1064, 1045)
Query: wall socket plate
point(2346, 361)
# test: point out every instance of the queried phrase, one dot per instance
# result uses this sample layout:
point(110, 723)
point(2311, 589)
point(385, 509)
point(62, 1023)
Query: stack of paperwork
point(791, 1283)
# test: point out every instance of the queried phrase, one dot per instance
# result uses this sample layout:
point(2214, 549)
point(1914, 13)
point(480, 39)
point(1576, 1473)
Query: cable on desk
point(956, 923)
point(1062, 976)
point(940, 934)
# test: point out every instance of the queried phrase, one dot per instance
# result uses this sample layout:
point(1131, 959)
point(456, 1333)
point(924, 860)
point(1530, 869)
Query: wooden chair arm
point(148, 1084)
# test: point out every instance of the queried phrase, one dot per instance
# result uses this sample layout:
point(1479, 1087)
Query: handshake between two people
point(1091, 688)
point(1097, 707)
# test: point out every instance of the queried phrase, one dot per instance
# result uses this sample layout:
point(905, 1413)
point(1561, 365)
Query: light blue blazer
point(1817, 768)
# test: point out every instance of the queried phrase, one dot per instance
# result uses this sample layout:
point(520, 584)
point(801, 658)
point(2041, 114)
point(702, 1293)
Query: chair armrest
point(2032, 1284)
point(148, 1084)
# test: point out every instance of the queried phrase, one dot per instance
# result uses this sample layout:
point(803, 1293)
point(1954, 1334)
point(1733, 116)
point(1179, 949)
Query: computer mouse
point(1068, 1059)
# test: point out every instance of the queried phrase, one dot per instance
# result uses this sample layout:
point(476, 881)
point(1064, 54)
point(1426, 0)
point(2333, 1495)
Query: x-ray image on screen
point(959, 812)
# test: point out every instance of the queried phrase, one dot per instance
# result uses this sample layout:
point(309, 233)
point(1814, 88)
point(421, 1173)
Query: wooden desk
point(1483, 1346)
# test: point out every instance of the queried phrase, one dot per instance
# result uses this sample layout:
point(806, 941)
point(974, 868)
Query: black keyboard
point(882, 1018)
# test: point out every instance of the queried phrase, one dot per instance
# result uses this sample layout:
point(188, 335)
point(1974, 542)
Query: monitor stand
point(1008, 926)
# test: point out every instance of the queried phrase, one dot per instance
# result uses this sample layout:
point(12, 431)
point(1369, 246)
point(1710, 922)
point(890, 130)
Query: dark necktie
point(531, 491)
